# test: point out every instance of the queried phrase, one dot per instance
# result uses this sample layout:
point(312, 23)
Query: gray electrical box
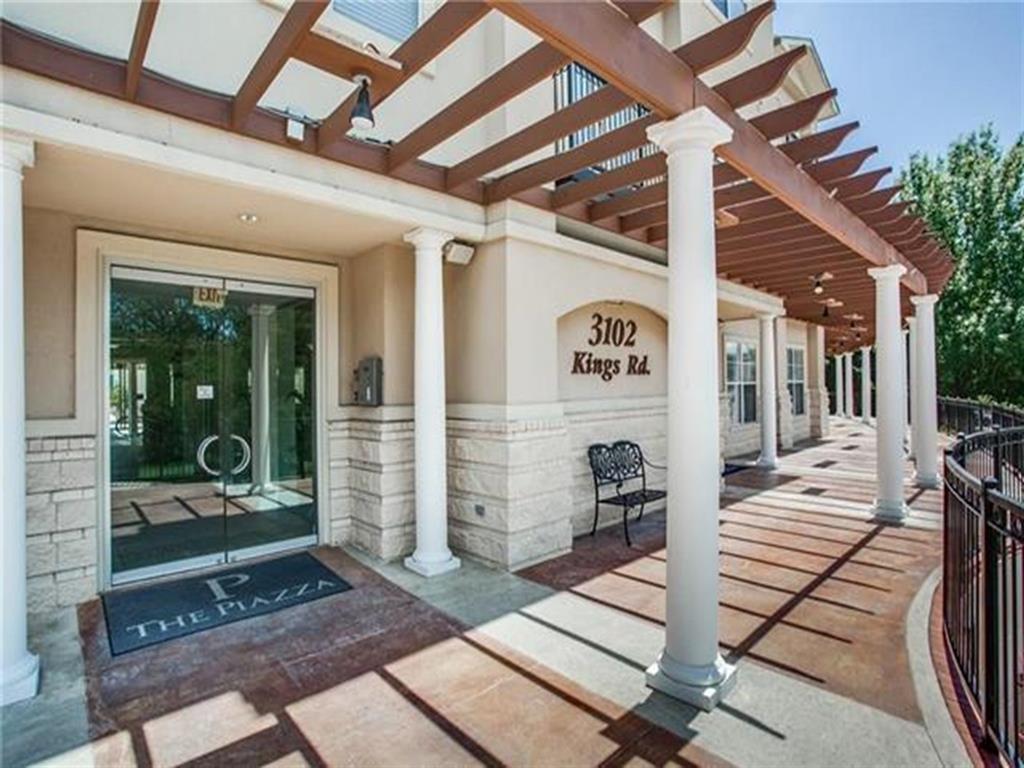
point(369, 381)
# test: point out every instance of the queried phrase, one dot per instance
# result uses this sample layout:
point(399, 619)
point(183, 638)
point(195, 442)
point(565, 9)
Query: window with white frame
point(796, 380)
point(741, 381)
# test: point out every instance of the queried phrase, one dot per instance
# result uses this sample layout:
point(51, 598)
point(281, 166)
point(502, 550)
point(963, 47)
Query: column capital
point(18, 151)
point(699, 128)
point(891, 272)
point(926, 300)
point(427, 237)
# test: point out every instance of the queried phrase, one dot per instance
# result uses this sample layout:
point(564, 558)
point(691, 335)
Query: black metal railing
point(574, 82)
point(983, 566)
point(972, 416)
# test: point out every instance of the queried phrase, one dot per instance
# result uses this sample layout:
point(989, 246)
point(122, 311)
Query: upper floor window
point(730, 8)
point(741, 381)
point(795, 380)
point(395, 18)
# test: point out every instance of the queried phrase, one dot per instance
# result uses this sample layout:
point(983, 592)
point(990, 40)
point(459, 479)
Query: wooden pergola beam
point(723, 172)
point(636, 172)
point(645, 70)
point(781, 121)
point(295, 25)
point(47, 57)
point(748, 85)
point(519, 75)
point(885, 215)
point(140, 44)
point(607, 145)
point(345, 61)
point(514, 78)
point(430, 39)
point(760, 81)
point(855, 186)
point(708, 50)
point(745, 193)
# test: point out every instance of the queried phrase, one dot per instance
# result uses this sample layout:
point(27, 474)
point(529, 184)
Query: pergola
point(751, 200)
point(791, 207)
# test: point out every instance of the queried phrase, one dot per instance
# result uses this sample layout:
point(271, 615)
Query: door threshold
point(169, 571)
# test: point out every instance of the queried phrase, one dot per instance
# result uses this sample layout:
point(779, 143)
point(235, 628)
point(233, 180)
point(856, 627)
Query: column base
point(433, 568)
point(927, 481)
point(703, 695)
point(21, 681)
point(767, 463)
point(890, 511)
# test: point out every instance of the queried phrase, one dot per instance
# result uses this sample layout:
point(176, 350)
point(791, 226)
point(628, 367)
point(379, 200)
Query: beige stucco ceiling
point(142, 197)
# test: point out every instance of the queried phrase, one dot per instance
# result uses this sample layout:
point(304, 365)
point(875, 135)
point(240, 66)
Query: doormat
point(144, 616)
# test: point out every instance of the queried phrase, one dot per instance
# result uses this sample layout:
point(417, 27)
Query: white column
point(690, 667)
point(912, 385)
point(260, 408)
point(19, 673)
point(889, 503)
point(838, 370)
point(817, 389)
point(848, 386)
point(432, 555)
point(783, 402)
point(769, 425)
point(865, 384)
point(925, 416)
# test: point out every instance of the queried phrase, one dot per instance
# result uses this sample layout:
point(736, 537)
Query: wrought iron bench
point(617, 464)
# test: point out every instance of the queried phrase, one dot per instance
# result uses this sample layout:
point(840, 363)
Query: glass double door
point(212, 420)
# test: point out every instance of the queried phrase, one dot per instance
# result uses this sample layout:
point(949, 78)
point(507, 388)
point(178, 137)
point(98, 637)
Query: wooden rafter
point(48, 57)
point(823, 143)
point(140, 44)
point(539, 62)
point(708, 50)
point(654, 77)
point(430, 39)
point(774, 124)
point(519, 75)
point(760, 81)
point(295, 25)
point(724, 173)
point(346, 62)
point(607, 145)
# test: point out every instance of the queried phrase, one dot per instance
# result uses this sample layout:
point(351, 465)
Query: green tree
point(973, 202)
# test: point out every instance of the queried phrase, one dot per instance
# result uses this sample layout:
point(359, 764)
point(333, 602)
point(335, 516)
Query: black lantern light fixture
point(362, 112)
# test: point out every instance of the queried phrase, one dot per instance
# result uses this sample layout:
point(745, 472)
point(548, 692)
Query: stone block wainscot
point(62, 521)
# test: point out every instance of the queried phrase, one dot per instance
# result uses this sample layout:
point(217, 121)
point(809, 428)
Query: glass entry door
point(211, 420)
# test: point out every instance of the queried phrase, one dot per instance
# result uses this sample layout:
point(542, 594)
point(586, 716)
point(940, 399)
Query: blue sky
point(917, 74)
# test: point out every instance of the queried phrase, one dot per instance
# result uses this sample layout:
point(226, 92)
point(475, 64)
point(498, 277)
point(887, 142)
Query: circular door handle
point(210, 440)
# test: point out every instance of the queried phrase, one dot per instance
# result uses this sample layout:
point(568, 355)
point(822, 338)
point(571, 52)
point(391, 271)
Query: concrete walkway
point(824, 611)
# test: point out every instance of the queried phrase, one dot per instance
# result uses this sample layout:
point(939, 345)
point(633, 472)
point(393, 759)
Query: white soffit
point(104, 27)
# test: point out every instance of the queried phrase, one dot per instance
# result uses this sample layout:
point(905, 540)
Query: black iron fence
point(971, 416)
point(983, 564)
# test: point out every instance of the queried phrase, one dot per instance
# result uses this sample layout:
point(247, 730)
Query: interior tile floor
point(825, 611)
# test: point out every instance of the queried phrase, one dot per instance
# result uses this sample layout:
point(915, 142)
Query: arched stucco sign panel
point(611, 350)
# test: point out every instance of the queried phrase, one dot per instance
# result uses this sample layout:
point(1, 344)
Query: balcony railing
point(575, 82)
point(983, 565)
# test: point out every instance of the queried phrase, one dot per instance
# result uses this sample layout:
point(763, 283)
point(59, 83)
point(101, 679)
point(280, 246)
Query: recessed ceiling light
point(248, 218)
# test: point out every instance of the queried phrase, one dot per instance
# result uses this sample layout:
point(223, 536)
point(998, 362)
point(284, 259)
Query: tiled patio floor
point(820, 607)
